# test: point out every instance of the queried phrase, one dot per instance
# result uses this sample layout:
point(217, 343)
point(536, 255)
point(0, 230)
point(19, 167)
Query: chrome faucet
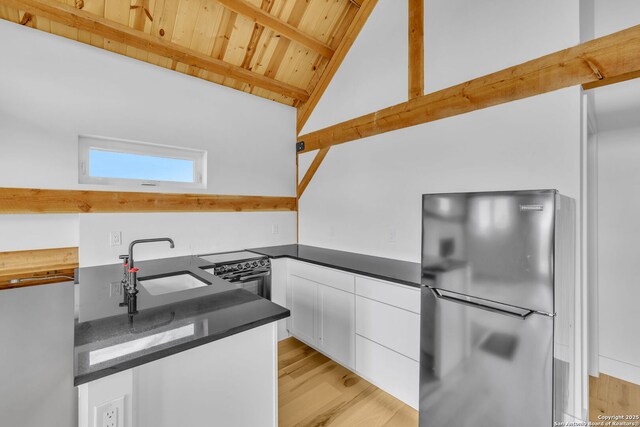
point(132, 287)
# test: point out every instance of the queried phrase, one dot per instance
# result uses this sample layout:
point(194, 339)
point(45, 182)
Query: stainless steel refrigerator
point(497, 335)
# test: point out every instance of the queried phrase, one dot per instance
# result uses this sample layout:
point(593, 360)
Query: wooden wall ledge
point(39, 265)
point(30, 201)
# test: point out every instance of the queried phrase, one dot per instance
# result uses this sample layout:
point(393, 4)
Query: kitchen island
point(193, 357)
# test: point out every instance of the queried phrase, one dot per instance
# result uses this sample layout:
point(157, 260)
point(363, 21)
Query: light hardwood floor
point(611, 396)
point(316, 391)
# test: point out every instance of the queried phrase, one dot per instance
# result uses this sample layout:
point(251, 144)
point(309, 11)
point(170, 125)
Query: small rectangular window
point(119, 162)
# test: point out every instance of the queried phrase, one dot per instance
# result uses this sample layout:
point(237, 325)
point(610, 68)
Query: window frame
point(115, 145)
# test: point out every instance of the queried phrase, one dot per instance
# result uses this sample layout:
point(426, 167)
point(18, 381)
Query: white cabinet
point(388, 337)
point(304, 296)
point(389, 326)
point(336, 336)
point(368, 325)
point(322, 310)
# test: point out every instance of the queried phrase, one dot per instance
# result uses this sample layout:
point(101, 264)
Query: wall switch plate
point(110, 414)
point(275, 229)
point(115, 238)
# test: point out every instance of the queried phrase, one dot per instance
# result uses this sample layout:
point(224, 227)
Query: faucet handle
point(134, 270)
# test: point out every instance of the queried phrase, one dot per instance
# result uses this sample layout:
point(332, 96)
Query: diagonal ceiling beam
point(277, 25)
point(315, 164)
point(604, 60)
point(305, 110)
point(68, 15)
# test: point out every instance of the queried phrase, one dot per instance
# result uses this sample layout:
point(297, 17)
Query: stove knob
point(246, 265)
point(262, 263)
point(255, 263)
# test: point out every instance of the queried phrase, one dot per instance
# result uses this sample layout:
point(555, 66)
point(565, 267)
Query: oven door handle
point(255, 276)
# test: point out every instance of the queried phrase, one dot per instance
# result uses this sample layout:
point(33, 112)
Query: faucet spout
point(132, 287)
point(136, 242)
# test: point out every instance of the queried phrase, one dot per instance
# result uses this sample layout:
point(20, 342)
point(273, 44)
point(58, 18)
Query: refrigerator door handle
point(513, 312)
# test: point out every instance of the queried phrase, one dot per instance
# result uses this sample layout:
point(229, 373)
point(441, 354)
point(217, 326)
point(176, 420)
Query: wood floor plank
point(612, 396)
point(315, 391)
point(405, 416)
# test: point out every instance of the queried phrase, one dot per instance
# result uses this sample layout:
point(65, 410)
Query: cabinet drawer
point(392, 327)
point(326, 276)
point(394, 373)
point(401, 296)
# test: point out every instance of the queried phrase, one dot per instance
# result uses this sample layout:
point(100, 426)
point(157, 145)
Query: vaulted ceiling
point(276, 49)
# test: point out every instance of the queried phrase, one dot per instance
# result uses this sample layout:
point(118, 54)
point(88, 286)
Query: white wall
point(615, 15)
point(52, 90)
point(466, 39)
point(24, 232)
point(374, 73)
point(365, 197)
point(193, 233)
point(618, 252)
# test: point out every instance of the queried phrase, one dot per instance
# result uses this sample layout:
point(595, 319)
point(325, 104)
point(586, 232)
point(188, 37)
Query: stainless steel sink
point(168, 284)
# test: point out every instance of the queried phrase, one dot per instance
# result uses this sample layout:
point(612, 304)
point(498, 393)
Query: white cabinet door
point(303, 308)
point(336, 324)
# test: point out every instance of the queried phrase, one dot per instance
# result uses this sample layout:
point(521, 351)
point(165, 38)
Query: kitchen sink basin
point(168, 284)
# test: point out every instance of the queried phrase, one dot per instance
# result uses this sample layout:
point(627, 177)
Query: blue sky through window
point(109, 164)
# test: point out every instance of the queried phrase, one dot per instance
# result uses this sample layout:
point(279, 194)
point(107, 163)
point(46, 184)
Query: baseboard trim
point(622, 370)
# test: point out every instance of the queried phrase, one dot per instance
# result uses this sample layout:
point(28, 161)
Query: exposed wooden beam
point(315, 164)
point(28, 200)
point(612, 80)
point(416, 48)
point(612, 56)
point(305, 110)
point(277, 25)
point(35, 265)
point(97, 25)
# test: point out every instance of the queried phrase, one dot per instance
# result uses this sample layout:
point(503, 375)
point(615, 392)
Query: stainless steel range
point(247, 270)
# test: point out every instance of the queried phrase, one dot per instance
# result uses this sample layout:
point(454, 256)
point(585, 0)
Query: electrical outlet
point(391, 235)
point(110, 414)
point(110, 417)
point(275, 229)
point(115, 238)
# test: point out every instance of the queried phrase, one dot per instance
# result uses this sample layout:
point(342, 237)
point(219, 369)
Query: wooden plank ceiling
point(276, 49)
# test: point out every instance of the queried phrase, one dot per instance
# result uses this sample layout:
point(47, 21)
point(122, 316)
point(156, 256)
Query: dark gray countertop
point(165, 324)
point(407, 273)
